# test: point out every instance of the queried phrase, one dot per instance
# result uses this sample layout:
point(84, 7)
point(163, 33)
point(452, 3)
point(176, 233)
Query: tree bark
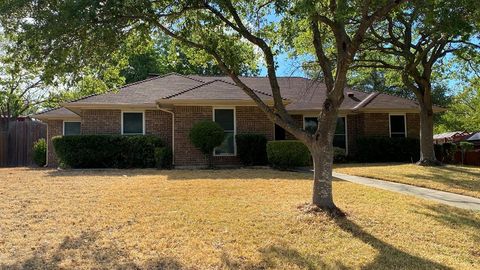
point(427, 151)
point(322, 177)
point(321, 149)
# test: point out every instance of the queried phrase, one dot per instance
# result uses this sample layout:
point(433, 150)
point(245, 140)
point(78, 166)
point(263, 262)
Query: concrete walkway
point(452, 199)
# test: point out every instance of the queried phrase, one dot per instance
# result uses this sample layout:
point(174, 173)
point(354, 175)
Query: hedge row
point(385, 149)
point(107, 151)
point(288, 154)
point(252, 149)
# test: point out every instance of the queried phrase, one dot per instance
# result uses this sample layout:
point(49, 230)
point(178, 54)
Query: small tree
point(207, 135)
point(465, 147)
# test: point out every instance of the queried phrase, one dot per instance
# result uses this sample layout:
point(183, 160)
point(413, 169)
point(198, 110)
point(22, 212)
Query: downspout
point(173, 132)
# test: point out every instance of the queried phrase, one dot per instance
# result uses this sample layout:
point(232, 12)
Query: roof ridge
point(188, 89)
point(133, 83)
point(255, 90)
point(366, 100)
point(210, 82)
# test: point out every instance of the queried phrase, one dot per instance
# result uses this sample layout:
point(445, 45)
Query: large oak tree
point(414, 41)
point(68, 34)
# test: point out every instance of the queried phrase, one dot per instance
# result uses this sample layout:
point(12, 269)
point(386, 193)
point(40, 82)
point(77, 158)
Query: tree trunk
point(322, 177)
point(321, 149)
point(427, 152)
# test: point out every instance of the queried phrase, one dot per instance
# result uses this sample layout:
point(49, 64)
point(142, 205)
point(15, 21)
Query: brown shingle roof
point(57, 112)
point(303, 94)
point(215, 90)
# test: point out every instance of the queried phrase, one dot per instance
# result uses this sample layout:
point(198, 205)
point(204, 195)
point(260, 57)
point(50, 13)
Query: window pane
point(72, 128)
point(340, 129)
point(228, 145)
point(224, 117)
point(311, 124)
point(340, 141)
point(397, 125)
point(132, 123)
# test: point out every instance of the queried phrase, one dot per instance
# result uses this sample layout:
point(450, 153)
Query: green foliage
point(252, 149)
point(445, 152)
point(40, 152)
point(107, 151)
point(288, 154)
point(466, 146)
point(386, 149)
point(206, 135)
point(163, 157)
point(463, 113)
point(339, 155)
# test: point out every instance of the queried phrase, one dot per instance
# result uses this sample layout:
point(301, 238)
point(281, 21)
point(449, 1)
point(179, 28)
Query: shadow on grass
point(389, 257)
point(276, 256)
point(97, 257)
point(452, 217)
point(218, 174)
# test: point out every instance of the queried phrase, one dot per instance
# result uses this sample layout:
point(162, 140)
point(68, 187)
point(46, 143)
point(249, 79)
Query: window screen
point(132, 123)
point(71, 128)
point(397, 126)
point(226, 119)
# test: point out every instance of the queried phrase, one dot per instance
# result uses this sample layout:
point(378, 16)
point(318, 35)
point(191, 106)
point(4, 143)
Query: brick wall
point(249, 120)
point(54, 128)
point(159, 123)
point(185, 117)
point(377, 124)
point(374, 124)
point(101, 122)
point(253, 120)
point(413, 125)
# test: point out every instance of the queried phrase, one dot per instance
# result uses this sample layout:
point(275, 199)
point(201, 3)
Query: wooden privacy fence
point(16, 144)
point(470, 158)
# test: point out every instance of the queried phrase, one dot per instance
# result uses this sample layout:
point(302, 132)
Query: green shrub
point(252, 149)
point(106, 151)
point(40, 152)
point(465, 147)
point(445, 152)
point(339, 155)
point(288, 154)
point(386, 149)
point(206, 135)
point(163, 157)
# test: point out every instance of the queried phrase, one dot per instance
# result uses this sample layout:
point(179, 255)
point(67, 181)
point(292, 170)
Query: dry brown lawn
point(457, 179)
point(225, 219)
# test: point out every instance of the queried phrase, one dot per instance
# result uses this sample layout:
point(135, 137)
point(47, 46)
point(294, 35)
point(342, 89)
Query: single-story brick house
point(169, 105)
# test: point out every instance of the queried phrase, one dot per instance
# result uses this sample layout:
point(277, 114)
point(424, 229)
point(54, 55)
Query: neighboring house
point(475, 139)
point(169, 105)
point(450, 137)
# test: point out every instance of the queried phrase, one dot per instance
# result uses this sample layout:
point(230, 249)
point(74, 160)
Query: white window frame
point(340, 116)
point(143, 123)
point(234, 131)
point(72, 121)
point(390, 122)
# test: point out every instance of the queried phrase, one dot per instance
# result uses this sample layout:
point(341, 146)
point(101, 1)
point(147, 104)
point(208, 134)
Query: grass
point(225, 219)
point(457, 179)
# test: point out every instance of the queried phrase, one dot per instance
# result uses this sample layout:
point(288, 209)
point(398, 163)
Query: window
point(340, 137)
point(226, 119)
point(71, 128)
point(398, 128)
point(132, 123)
point(279, 133)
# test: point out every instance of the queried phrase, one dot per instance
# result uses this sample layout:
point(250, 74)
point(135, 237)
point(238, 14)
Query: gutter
point(173, 132)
